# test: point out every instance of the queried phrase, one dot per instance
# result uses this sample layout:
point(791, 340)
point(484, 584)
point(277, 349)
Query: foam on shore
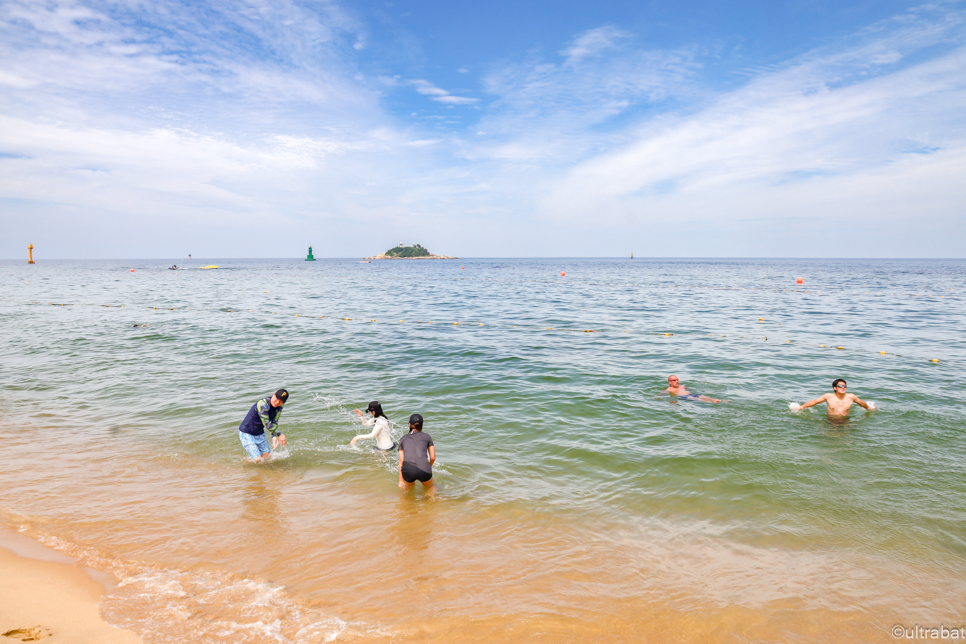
point(165, 604)
point(46, 596)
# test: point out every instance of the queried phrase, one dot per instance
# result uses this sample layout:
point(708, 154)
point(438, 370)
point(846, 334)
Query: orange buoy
point(799, 281)
point(562, 274)
point(132, 270)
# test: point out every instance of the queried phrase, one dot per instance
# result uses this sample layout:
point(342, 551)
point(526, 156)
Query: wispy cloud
point(594, 42)
point(218, 113)
point(440, 95)
point(830, 121)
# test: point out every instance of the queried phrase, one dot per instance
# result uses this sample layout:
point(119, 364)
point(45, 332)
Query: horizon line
point(561, 257)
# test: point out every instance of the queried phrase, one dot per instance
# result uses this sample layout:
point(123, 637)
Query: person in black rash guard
point(416, 456)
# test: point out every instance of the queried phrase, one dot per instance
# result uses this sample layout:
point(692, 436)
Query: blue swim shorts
point(255, 446)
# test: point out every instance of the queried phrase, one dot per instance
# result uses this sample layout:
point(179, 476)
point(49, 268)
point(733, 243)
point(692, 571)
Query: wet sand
point(47, 597)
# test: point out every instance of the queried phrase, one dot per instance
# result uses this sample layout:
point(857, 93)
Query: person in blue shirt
point(263, 416)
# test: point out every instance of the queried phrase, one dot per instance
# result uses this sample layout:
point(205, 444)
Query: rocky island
point(416, 251)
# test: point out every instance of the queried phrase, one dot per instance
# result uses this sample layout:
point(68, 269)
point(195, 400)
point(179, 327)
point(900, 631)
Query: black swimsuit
point(415, 447)
point(411, 473)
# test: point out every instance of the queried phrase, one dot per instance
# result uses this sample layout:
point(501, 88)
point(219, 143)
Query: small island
point(416, 251)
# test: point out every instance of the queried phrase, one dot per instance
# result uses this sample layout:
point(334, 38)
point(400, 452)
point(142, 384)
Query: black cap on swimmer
point(375, 408)
point(416, 421)
point(282, 394)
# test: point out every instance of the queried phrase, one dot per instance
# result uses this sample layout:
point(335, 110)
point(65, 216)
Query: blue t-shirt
point(260, 416)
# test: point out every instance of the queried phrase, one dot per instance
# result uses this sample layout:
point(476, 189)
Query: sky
point(255, 128)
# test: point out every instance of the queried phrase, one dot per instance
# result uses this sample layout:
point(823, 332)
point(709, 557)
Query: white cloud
point(772, 147)
point(214, 116)
point(440, 95)
point(428, 89)
point(455, 100)
point(594, 42)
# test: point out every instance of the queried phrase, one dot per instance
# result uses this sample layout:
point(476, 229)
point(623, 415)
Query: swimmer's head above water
point(416, 423)
point(839, 384)
point(279, 397)
point(375, 409)
point(673, 384)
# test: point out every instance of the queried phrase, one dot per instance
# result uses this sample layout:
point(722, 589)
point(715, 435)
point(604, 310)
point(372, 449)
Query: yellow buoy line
point(862, 290)
point(491, 326)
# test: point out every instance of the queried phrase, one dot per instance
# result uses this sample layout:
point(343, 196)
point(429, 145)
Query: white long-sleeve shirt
point(382, 432)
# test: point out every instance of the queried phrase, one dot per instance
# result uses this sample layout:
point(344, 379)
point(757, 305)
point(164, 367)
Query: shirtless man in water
point(675, 388)
point(839, 403)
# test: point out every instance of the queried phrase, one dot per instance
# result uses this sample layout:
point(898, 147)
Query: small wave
point(171, 606)
point(329, 402)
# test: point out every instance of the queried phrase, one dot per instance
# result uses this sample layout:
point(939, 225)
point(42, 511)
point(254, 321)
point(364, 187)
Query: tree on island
point(416, 250)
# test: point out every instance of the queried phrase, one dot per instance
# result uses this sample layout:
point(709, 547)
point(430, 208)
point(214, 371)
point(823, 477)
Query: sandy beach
point(45, 596)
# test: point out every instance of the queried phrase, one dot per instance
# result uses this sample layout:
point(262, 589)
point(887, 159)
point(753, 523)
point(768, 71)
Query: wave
point(170, 606)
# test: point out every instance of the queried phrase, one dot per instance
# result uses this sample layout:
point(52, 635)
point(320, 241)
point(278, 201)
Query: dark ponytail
point(376, 407)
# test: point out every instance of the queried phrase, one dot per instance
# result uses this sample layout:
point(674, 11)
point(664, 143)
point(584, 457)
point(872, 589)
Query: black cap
point(416, 419)
point(374, 406)
point(282, 394)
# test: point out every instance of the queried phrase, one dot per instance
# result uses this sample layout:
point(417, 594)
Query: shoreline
point(46, 596)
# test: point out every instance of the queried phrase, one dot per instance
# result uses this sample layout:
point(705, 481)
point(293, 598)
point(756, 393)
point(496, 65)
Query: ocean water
point(575, 502)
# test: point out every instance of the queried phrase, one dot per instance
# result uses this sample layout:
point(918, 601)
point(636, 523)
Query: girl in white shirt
point(381, 431)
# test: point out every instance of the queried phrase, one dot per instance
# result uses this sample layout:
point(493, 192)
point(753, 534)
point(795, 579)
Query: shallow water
point(574, 503)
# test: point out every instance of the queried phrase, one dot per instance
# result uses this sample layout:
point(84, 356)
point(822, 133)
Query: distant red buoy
point(132, 270)
point(562, 274)
point(799, 281)
point(462, 267)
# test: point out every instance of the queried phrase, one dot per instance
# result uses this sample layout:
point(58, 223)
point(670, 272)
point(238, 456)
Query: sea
point(575, 500)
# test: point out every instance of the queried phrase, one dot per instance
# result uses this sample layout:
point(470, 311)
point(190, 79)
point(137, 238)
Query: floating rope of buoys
point(480, 324)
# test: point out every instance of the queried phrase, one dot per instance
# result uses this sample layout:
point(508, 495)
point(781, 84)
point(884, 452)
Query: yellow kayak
point(204, 267)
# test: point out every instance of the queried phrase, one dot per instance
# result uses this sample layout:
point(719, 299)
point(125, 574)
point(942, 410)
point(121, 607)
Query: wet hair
point(837, 381)
point(376, 407)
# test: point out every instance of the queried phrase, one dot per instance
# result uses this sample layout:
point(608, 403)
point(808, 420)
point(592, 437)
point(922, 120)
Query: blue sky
point(255, 128)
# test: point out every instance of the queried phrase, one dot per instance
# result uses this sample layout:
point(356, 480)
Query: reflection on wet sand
point(260, 509)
